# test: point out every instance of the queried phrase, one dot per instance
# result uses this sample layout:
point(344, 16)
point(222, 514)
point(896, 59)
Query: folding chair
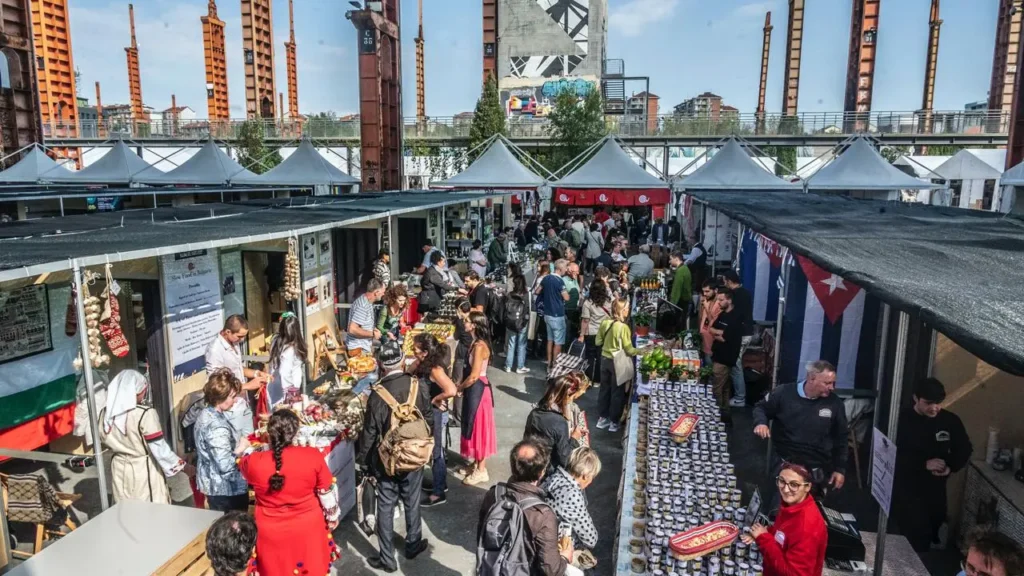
point(29, 498)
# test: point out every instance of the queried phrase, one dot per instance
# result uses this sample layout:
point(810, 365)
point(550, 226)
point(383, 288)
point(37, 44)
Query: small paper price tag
point(115, 288)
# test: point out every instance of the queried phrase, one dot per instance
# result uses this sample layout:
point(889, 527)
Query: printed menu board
point(24, 322)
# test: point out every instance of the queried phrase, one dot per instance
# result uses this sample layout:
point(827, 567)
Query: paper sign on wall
point(195, 313)
point(883, 467)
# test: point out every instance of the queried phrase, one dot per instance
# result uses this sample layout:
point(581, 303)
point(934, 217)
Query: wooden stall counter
point(131, 537)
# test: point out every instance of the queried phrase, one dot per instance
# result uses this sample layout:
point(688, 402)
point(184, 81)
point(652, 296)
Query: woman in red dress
point(296, 503)
point(795, 544)
point(479, 436)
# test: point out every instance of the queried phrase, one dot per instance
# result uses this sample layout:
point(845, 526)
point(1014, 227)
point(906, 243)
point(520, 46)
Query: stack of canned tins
point(680, 486)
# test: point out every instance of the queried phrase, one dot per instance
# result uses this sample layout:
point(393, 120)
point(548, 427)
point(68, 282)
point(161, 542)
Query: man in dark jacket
point(548, 424)
point(532, 232)
point(529, 460)
point(932, 445)
point(406, 486)
point(497, 253)
point(810, 425)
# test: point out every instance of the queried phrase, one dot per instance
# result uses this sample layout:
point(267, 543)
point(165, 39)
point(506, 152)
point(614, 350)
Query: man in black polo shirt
point(727, 331)
point(810, 425)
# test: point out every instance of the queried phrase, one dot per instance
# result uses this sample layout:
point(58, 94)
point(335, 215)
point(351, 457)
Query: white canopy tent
point(732, 168)
point(863, 172)
point(305, 167)
point(32, 166)
point(609, 167)
point(973, 181)
point(118, 166)
point(211, 166)
point(497, 167)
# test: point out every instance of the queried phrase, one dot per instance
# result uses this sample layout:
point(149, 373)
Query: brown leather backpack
point(408, 445)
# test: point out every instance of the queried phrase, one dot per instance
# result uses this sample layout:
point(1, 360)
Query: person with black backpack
point(516, 321)
point(517, 534)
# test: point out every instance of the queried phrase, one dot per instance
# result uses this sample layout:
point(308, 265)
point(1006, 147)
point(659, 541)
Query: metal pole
point(90, 394)
point(894, 418)
point(61, 205)
point(880, 374)
point(784, 279)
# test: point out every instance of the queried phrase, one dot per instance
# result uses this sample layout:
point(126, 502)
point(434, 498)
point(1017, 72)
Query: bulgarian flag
point(37, 393)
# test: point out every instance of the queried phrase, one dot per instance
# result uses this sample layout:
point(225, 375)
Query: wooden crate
point(189, 561)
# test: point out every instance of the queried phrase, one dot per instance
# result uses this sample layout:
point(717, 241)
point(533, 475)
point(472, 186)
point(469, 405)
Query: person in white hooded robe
point(131, 430)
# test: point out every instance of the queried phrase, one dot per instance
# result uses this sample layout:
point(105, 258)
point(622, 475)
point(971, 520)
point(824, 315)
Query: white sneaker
point(613, 428)
point(523, 370)
point(603, 423)
point(738, 402)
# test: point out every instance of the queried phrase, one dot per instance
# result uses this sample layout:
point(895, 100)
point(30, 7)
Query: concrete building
point(706, 104)
point(976, 106)
point(642, 110)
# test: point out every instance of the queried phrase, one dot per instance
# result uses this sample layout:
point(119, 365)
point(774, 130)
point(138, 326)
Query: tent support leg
point(894, 418)
point(62, 206)
point(784, 277)
point(90, 394)
point(880, 373)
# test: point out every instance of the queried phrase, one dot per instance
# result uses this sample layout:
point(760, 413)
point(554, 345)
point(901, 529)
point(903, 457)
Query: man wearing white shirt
point(225, 353)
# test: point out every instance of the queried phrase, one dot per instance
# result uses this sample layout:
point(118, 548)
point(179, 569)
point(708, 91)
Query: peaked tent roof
point(966, 166)
point(211, 166)
point(305, 167)
point(1014, 176)
point(731, 168)
point(118, 166)
point(497, 167)
point(861, 167)
point(610, 167)
point(30, 169)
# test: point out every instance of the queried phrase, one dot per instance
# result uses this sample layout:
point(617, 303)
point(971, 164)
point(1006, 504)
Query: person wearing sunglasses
point(795, 544)
point(992, 553)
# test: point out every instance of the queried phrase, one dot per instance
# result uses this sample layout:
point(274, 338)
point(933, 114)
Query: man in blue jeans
point(744, 305)
point(554, 295)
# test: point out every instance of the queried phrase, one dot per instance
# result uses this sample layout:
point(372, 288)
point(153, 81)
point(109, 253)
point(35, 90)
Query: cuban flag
point(760, 266)
point(827, 318)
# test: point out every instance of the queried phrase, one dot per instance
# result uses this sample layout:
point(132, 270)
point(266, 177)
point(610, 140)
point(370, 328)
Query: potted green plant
point(675, 374)
point(642, 323)
point(705, 374)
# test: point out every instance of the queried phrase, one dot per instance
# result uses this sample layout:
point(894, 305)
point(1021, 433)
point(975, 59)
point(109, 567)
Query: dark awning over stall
point(961, 270)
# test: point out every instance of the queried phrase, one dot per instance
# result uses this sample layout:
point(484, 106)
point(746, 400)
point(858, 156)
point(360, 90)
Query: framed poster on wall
point(24, 322)
point(194, 305)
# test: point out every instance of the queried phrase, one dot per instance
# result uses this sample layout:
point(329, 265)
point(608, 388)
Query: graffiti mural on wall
point(573, 18)
point(538, 101)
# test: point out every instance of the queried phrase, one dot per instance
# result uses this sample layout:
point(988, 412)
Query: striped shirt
point(361, 315)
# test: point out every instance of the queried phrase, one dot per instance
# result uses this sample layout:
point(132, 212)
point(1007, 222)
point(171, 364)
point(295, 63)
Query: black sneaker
point(376, 564)
point(416, 549)
point(430, 489)
point(428, 501)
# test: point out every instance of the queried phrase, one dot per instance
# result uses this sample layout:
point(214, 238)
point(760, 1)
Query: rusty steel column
point(931, 64)
point(134, 81)
point(1004, 60)
point(174, 114)
point(794, 47)
point(1015, 142)
point(380, 95)
point(258, 56)
point(20, 117)
point(421, 101)
point(860, 66)
point(293, 69)
point(490, 38)
point(214, 50)
point(58, 102)
point(101, 128)
point(766, 47)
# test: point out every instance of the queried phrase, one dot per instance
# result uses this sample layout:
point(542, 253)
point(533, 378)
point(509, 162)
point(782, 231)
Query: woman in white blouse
point(287, 357)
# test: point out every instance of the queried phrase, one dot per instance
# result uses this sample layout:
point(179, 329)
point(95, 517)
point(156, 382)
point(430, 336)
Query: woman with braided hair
point(296, 499)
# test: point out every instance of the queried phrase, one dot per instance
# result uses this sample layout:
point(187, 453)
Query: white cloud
point(755, 9)
point(634, 16)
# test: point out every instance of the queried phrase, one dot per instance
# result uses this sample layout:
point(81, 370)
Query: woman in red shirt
point(296, 503)
point(795, 544)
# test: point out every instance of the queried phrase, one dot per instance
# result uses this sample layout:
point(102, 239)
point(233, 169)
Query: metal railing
point(960, 122)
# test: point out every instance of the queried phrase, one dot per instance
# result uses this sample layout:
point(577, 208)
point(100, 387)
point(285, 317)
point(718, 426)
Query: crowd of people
point(411, 401)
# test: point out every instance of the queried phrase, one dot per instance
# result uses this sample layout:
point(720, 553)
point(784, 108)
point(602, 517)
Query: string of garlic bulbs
point(292, 289)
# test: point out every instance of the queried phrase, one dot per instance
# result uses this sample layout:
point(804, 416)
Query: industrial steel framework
point(1015, 140)
point(931, 64)
point(134, 80)
point(293, 71)
point(217, 106)
point(860, 66)
point(101, 130)
point(1005, 58)
point(258, 54)
point(380, 94)
point(490, 38)
point(58, 104)
point(794, 47)
point(20, 119)
point(766, 48)
point(421, 98)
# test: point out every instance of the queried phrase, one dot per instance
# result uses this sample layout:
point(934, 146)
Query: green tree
point(785, 159)
point(893, 153)
point(488, 118)
point(943, 150)
point(574, 125)
point(253, 152)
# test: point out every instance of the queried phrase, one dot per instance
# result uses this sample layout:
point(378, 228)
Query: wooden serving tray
point(702, 540)
point(683, 427)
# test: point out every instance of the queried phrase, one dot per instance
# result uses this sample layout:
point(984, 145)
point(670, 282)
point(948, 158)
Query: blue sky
point(685, 46)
